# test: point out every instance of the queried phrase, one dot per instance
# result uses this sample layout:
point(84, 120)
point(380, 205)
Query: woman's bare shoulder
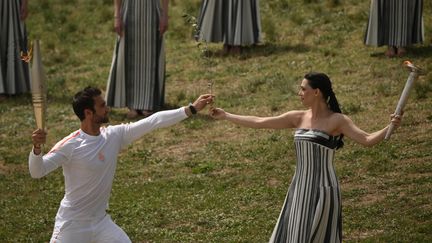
point(339, 116)
point(297, 115)
point(293, 117)
point(339, 119)
point(295, 112)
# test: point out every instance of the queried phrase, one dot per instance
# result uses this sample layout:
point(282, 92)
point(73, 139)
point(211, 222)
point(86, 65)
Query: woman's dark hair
point(84, 100)
point(322, 82)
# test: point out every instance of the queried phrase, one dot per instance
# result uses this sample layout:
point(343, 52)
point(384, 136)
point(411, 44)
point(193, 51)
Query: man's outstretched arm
point(162, 119)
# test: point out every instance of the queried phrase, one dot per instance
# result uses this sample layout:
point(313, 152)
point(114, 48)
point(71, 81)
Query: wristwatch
point(192, 109)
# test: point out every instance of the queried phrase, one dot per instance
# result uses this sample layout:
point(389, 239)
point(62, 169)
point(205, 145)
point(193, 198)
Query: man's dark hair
point(84, 100)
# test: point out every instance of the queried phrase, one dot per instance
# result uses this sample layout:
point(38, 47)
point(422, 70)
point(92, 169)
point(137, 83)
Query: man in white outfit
point(89, 158)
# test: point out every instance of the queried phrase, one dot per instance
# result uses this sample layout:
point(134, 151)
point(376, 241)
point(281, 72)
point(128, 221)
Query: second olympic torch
point(38, 88)
point(415, 72)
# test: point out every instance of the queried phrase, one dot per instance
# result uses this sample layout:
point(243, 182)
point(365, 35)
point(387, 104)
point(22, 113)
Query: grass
point(211, 181)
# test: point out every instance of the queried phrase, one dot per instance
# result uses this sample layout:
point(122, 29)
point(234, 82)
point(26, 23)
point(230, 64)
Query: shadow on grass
point(412, 52)
point(421, 51)
point(265, 49)
point(268, 49)
point(16, 100)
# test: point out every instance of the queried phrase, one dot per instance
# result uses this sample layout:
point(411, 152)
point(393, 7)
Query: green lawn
point(211, 181)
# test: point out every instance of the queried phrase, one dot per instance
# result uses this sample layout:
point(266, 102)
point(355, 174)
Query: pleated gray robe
point(137, 75)
point(14, 73)
point(233, 22)
point(312, 211)
point(396, 23)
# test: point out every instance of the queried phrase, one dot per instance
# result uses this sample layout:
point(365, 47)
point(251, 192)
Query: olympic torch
point(415, 72)
point(38, 88)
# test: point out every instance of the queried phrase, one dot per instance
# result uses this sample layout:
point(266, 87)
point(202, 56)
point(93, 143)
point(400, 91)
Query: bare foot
point(401, 51)
point(146, 113)
point(235, 50)
point(132, 114)
point(391, 51)
point(226, 49)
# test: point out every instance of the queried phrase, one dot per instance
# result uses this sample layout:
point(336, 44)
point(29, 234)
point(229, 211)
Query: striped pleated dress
point(312, 207)
point(233, 22)
point(137, 76)
point(14, 73)
point(396, 23)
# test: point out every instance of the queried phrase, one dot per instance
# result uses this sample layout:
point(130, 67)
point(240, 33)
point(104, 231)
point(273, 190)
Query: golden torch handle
point(38, 87)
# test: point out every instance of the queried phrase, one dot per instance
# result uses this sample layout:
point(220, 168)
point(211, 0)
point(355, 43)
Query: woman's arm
point(287, 120)
point(24, 10)
point(349, 129)
point(118, 22)
point(163, 22)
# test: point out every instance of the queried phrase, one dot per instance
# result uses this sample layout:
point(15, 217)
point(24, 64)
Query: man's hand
point(202, 101)
point(38, 138)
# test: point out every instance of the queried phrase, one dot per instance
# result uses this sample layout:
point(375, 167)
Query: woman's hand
point(118, 25)
point(163, 24)
point(24, 10)
point(217, 113)
point(396, 120)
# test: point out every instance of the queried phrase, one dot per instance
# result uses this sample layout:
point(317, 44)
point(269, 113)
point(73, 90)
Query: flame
point(407, 63)
point(26, 57)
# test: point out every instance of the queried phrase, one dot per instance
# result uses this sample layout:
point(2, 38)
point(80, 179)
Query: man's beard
point(101, 119)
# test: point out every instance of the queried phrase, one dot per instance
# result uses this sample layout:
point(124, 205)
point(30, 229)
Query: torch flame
point(26, 57)
point(412, 67)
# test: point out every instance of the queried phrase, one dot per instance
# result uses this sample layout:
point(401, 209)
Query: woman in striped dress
point(395, 23)
point(137, 76)
point(236, 23)
point(14, 73)
point(312, 207)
